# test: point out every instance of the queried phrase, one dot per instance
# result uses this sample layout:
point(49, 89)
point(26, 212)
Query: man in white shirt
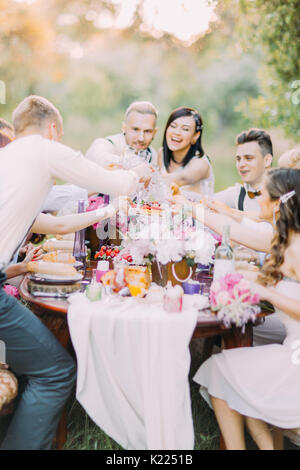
point(29, 165)
point(139, 129)
point(254, 154)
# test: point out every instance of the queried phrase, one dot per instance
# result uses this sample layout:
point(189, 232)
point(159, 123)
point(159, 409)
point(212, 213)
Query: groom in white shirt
point(28, 168)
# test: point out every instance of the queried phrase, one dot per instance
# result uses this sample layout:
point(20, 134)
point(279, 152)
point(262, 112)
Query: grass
point(84, 434)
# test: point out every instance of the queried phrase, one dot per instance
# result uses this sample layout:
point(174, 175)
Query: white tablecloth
point(133, 365)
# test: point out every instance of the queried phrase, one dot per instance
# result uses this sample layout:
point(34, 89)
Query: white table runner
point(133, 365)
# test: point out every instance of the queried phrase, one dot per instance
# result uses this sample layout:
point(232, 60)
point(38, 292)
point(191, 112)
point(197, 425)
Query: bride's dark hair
point(281, 181)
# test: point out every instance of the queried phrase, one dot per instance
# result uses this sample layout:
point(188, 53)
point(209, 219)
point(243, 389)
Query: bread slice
point(55, 269)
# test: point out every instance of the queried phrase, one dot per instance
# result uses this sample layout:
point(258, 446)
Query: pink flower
point(95, 203)
point(223, 298)
point(11, 290)
point(255, 299)
point(244, 285)
point(232, 279)
point(212, 298)
point(217, 237)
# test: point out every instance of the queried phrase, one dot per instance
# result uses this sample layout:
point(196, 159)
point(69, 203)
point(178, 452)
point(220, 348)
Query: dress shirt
point(28, 168)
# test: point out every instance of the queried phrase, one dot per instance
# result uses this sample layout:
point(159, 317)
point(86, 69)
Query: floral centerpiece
point(167, 239)
point(232, 299)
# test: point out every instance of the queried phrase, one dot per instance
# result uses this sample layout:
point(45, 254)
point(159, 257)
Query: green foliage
point(275, 25)
point(54, 49)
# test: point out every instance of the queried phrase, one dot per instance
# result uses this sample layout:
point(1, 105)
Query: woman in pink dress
point(260, 386)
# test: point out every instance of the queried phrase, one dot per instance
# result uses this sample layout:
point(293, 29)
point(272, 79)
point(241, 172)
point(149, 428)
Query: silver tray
point(49, 279)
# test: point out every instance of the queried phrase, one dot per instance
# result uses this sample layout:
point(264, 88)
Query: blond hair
point(35, 111)
point(290, 159)
point(142, 107)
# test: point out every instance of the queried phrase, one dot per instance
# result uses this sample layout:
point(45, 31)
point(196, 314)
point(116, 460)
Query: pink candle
point(102, 268)
point(173, 298)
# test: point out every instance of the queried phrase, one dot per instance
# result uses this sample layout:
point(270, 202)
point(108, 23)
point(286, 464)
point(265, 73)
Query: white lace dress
point(261, 382)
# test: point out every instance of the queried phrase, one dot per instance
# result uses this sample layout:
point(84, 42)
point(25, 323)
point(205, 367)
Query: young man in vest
point(139, 129)
point(254, 155)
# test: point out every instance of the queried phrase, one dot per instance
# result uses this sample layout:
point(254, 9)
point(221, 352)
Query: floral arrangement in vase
point(168, 241)
point(231, 298)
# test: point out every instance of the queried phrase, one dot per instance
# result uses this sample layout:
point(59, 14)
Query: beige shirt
point(28, 169)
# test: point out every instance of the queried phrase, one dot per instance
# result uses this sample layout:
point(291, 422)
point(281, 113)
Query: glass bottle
point(79, 251)
point(224, 256)
point(103, 227)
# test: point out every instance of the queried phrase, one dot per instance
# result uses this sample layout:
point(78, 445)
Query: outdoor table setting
point(130, 314)
point(133, 354)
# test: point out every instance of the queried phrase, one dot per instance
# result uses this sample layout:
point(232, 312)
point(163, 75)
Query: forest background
point(239, 68)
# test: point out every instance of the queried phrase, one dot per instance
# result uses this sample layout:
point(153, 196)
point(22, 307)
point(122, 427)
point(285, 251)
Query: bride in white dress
point(182, 159)
point(261, 386)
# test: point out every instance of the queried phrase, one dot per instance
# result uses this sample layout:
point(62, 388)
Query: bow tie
point(253, 194)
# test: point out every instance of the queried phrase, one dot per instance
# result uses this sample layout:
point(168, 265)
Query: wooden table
point(53, 313)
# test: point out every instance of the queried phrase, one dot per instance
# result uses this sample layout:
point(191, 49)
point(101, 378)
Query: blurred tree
point(69, 51)
point(275, 25)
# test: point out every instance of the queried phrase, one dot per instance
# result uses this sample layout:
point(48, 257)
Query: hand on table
point(33, 253)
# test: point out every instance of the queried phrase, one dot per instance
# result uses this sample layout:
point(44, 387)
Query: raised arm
point(72, 167)
point(247, 233)
point(196, 170)
point(46, 223)
point(102, 152)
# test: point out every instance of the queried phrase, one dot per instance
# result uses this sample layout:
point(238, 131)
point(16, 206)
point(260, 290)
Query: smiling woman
point(182, 160)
